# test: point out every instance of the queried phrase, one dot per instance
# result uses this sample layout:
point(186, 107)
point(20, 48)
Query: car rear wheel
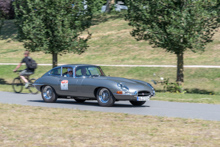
point(48, 94)
point(137, 103)
point(105, 97)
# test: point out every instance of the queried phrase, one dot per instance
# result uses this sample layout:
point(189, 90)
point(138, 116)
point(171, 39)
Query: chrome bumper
point(132, 96)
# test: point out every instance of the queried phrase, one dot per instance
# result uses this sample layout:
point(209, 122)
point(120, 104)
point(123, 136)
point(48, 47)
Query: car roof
point(75, 65)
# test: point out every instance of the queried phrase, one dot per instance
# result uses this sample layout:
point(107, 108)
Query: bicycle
point(18, 84)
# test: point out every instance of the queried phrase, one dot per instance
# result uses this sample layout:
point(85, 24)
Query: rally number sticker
point(64, 85)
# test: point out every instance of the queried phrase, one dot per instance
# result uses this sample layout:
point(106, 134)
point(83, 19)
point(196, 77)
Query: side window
point(55, 72)
point(67, 72)
point(82, 71)
point(64, 71)
point(94, 71)
point(78, 73)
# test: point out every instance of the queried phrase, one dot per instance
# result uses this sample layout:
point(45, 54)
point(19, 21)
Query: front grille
point(144, 93)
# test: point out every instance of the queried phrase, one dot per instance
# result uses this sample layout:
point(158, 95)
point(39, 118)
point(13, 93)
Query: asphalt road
point(153, 108)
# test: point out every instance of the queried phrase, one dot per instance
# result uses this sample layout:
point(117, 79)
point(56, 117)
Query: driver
point(70, 72)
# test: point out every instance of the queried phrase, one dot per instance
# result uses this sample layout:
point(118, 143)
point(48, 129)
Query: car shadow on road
point(194, 91)
point(88, 103)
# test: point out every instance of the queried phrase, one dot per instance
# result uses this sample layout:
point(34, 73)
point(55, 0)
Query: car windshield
point(89, 71)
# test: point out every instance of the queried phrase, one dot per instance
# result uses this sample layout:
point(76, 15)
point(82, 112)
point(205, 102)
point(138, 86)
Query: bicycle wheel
point(31, 87)
point(17, 85)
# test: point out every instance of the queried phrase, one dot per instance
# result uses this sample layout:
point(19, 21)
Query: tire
point(48, 94)
point(137, 103)
point(17, 85)
point(105, 97)
point(31, 87)
point(80, 100)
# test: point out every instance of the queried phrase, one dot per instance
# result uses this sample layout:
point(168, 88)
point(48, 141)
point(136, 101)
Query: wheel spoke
point(105, 98)
point(48, 94)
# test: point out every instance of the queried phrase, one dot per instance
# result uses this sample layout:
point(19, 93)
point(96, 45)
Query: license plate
point(143, 98)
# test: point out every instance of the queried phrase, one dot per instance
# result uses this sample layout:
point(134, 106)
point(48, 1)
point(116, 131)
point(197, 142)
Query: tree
point(54, 26)
point(7, 8)
point(174, 25)
point(109, 6)
point(1, 20)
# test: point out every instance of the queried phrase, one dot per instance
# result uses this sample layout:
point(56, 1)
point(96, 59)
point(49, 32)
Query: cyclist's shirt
point(25, 60)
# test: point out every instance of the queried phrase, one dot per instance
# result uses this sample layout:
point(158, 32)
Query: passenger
point(83, 71)
point(70, 72)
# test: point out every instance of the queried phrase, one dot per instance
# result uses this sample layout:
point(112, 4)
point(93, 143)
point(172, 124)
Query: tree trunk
point(54, 59)
point(108, 6)
point(180, 69)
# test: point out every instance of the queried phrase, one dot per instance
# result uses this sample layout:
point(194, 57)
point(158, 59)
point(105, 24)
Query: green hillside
point(111, 43)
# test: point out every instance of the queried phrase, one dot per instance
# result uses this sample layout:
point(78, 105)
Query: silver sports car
point(88, 82)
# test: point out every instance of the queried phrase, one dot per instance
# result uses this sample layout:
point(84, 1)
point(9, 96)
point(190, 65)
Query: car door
point(86, 87)
point(67, 82)
point(82, 74)
point(68, 86)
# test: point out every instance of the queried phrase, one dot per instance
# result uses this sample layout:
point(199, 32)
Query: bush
point(169, 86)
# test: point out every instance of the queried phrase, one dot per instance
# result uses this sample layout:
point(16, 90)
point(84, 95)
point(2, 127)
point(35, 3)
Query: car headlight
point(123, 87)
point(151, 88)
point(150, 85)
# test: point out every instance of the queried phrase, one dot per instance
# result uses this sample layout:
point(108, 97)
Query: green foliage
point(97, 5)
point(1, 20)
point(169, 86)
point(174, 88)
point(218, 10)
point(53, 26)
point(174, 25)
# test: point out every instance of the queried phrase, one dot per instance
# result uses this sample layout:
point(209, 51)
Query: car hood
point(124, 81)
point(133, 85)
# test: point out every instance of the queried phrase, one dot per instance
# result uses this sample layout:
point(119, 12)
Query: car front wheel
point(105, 97)
point(137, 103)
point(48, 94)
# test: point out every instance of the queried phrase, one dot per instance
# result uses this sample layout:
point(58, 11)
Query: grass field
point(38, 126)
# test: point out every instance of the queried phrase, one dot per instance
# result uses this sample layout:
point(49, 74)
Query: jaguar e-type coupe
point(88, 82)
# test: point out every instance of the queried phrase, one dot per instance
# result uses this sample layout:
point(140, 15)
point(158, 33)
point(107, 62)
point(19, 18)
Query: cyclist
point(28, 71)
